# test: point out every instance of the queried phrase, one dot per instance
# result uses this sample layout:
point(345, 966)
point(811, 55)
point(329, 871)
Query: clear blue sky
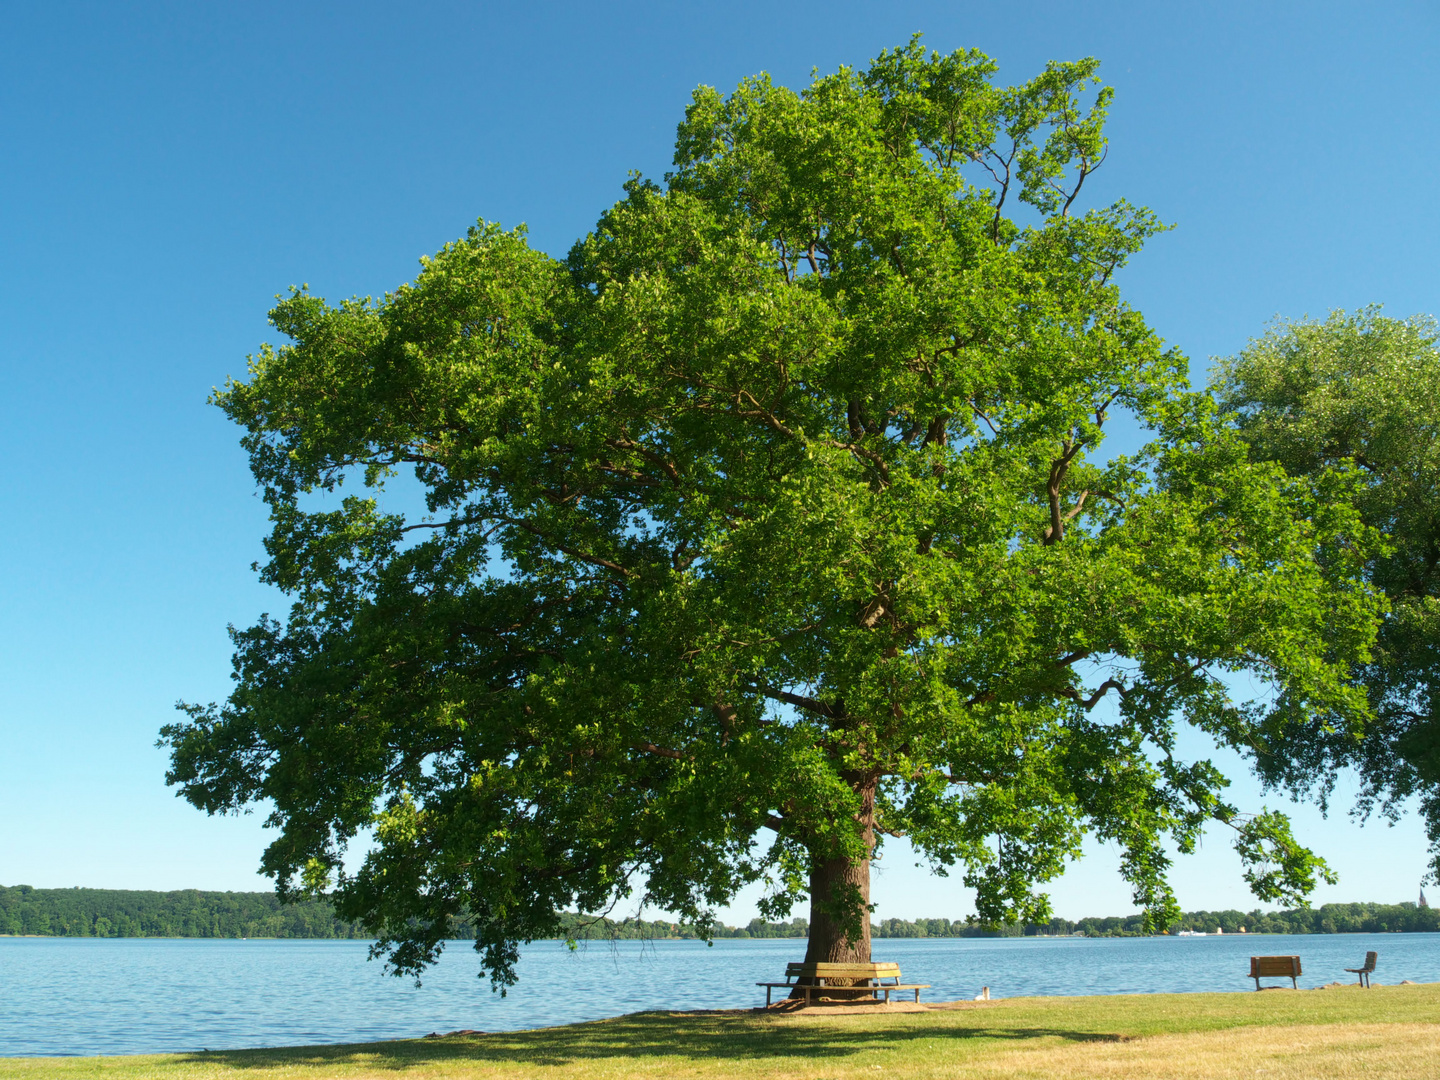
point(168, 168)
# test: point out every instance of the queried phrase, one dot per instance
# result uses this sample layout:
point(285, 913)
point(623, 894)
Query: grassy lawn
point(1391, 1031)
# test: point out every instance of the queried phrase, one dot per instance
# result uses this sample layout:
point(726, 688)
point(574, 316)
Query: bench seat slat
point(1271, 966)
point(828, 964)
point(817, 989)
point(843, 971)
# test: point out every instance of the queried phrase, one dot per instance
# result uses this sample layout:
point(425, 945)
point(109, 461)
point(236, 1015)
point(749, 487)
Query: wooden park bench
point(1275, 967)
point(1364, 972)
point(816, 978)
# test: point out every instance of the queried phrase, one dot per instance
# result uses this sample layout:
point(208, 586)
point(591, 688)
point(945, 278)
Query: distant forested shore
point(191, 913)
point(188, 913)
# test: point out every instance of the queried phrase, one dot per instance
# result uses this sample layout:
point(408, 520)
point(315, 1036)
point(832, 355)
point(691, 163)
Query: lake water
point(133, 996)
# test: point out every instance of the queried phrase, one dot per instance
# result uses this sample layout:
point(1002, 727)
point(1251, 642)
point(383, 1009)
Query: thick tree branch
point(661, 751)
point(1089, 703)
point(809, 704)
point(1058, 468)
point(649, 455)
point(594, 560)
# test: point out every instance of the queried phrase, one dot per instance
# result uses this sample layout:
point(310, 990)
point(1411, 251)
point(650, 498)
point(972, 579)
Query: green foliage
point(1362, 392)
point(189, 913)
point(772, 522)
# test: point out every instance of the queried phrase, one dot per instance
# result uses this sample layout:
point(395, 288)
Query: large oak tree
point(773, 522)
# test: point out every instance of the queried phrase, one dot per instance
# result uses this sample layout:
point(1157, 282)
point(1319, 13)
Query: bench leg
point(1293, 984)
point(1257, 983)
point(917, 995)
point(767, 997)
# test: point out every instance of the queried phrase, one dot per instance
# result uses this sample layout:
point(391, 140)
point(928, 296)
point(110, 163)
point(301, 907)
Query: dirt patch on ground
point(859, 1008)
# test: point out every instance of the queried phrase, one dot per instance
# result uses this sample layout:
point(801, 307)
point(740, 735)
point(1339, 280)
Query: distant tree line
point(1327, 919)
point(191, 913)
point(590, 927)
point(188, 913)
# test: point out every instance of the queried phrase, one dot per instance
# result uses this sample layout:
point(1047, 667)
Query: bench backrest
point(842, 971)
point(1370, 962)
point(1269, 967)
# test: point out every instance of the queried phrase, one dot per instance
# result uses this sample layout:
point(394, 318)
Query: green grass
point(1384, 1032)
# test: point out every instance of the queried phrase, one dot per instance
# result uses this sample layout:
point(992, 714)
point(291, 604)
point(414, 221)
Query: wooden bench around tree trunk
point(815, 979)
point(1275, 967)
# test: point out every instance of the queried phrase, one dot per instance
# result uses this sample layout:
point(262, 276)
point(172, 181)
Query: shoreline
point(1150, 1032)
point(718, 940)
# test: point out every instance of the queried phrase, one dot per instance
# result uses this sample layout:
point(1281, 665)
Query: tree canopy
point(772, 522)
point(1362, 388)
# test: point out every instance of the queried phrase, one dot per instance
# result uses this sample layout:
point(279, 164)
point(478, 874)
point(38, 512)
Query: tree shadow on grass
point(712, 1036)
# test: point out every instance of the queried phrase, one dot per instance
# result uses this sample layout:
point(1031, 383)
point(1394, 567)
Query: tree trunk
point(827, 943)
point(835, 884)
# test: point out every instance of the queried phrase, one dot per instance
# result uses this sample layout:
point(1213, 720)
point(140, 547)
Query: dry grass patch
point(1335, 1052)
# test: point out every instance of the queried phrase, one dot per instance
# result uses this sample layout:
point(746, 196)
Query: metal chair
point(1364, 972)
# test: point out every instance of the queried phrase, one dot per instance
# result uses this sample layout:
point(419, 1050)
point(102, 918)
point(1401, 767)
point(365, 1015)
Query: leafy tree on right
point(1362, 390)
